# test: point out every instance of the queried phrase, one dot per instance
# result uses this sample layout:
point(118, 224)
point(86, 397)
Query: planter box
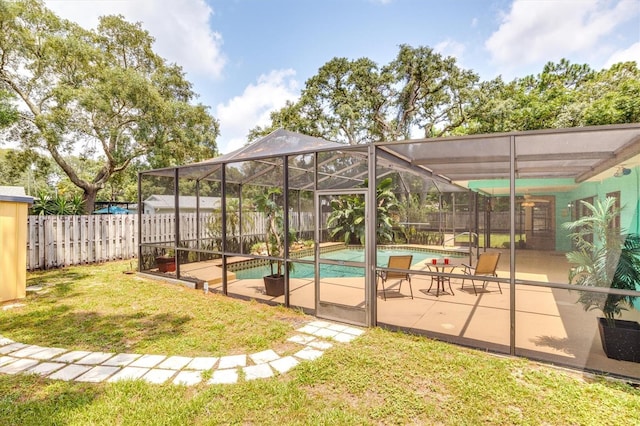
point(166, 264)
point(621, 342)
point(274, 285)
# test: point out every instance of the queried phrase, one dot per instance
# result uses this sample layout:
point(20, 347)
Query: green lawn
point(380, 378)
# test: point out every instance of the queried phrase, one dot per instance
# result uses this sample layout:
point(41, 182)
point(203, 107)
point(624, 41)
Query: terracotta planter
point(621, 342)
point(166, 264)
point(274, 285)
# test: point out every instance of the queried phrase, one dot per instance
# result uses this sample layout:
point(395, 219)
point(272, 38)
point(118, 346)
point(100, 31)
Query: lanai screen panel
point(342, 169)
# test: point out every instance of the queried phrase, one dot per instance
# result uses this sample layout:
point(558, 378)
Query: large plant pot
point(166, 264)
point(621, 342)
point(274, 285)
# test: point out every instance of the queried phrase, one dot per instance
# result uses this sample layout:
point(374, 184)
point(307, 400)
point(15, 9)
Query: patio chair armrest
point(466, 269)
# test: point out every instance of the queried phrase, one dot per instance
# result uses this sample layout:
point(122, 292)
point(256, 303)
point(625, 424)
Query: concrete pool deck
point(549, 323)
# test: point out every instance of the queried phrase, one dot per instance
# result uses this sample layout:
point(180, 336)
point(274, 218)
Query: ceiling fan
point(530, 201)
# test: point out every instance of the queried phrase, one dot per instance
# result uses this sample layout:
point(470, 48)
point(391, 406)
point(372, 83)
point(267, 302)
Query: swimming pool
point(302, 270)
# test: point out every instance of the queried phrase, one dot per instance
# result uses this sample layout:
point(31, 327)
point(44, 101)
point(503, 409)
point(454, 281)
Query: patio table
point(441, 267)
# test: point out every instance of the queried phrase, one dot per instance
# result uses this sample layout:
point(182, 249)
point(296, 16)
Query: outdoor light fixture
point(527, 204)
point(622, 171)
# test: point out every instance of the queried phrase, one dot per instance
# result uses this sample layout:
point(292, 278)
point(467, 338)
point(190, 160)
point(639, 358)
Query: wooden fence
point(55, 241)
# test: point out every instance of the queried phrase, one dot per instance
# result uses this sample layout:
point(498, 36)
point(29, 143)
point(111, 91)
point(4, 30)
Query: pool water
point(302, 270)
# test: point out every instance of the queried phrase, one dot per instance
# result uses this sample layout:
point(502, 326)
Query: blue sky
point(248, 57)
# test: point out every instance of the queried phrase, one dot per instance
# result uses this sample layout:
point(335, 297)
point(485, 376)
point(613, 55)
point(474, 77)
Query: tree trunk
point(90, 199)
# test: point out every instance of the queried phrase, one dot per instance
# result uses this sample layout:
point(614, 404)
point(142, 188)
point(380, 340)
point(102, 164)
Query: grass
point(380, 378)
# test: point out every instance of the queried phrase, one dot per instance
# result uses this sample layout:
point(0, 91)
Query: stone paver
point(95, 358)
point(188, 378)
point(344, 337)
point(28, 351)
point(121, 360)
point(175, 362)
point(308, 354)
point(71, 356)
point(148, 361)
point(325, 332)
point(12, 347)
point(5, 341)
point(46, 368)
point(48, 353)
point(202, 363)
point(260, 371)
point(94, 367)
point(18, 366)
point(70, 372)
point(228, 376)
point(308, 329)
point(285, 364)
point(353, 330)
point(129, 373)
point(158, 376)
point(264, 356)
point(6, 360)
point(318, 344)
point(232, 361)
point(302, 339)
point(98, 374)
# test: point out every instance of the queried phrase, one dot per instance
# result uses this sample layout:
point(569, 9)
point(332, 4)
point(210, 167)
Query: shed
point(14, 206)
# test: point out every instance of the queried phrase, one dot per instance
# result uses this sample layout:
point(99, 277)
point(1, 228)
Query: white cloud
point(450, 48)
point(180, 27)
point(252, 108)
point(534, 31)
point(632, 53)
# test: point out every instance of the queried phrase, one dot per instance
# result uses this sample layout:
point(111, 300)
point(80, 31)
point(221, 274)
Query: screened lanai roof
point(569, 156)
point(339, 165)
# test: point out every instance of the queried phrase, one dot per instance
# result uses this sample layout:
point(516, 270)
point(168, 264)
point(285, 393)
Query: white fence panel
point(56, 241)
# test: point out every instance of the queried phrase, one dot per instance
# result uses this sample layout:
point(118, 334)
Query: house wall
point(628, 186)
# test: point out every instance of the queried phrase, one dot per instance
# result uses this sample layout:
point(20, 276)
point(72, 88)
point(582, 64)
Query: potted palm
point(265, 203)
point(606, 258)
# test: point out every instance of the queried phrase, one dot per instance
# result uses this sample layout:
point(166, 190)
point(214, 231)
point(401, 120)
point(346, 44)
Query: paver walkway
point(84, 366)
